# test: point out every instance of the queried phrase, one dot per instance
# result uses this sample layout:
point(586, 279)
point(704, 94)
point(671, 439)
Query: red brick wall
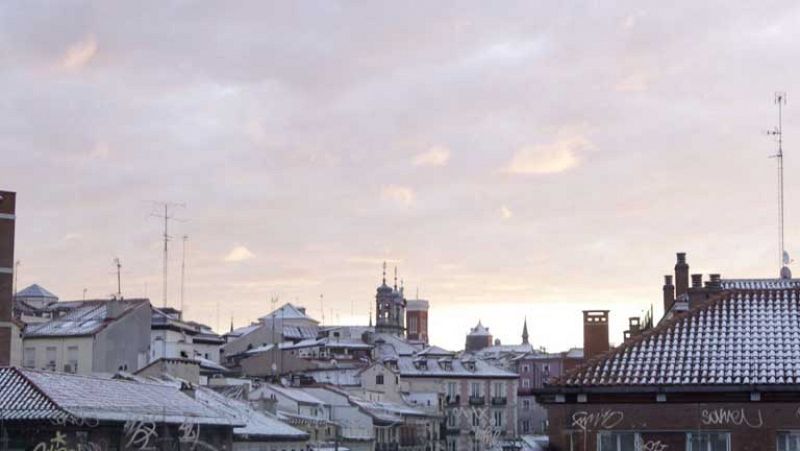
point(753, 425)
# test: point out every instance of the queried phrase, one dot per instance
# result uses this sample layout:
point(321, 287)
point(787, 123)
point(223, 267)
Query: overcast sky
point(512, 158)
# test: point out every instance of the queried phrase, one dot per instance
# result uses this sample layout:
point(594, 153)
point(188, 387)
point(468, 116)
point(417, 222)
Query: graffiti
point(140, 434)
point(482, 425)
point(72, 420)
point(189, 433)
point(605, 419)
point(653, 445)
point(738, 417)
point(59, 443)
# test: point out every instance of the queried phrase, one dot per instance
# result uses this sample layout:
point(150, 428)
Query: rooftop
point(741, 336)
point(86, 318)
point(36, 291)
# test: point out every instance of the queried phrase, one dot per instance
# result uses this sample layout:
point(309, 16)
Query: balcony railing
point(477, 400)
point(499, 401)
point(453, 400)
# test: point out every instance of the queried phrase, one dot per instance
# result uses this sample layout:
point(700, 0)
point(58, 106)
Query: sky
point(523, 159)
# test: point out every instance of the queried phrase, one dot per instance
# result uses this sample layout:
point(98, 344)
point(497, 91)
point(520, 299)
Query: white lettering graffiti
point(653, 445)
point(481, 424)
point(738, 417)
point(59, 443)
point(605, 419)
point(72, 420)
point(140, 434)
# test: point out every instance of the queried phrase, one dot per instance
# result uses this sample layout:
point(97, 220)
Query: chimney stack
point(7, 218)
point(697, 281)
point(669, 293)
point(714, 282)
point(595, 333)
point(681, 276)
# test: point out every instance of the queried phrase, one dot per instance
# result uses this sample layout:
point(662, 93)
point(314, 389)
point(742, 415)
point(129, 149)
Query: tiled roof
point(739, 337)
point(759, 284)
point(446, 367)
point(21, 400)
point(86, 319)
point(257, 425)
point(105, 399)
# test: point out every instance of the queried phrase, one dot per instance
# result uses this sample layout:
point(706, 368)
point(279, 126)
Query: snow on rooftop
point(107, 399)
point(36, 291)
point(86, 318)
point(257, 425)
point(287, 312)
point(479, 330)
point(742, 337)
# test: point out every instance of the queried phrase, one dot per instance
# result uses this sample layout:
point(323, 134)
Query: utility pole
point(183, 271)
point(166, 217)
point(119, 277)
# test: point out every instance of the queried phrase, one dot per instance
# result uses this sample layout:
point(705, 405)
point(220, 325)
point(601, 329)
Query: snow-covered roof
point(88, 318)
point(759, 284)
point(496, 350)
point(105, 399)
point(739, 337)
point(479, 330)
point(339, 376)
point(257, 425)
point(399, 345)
point(21, 400)
point(295, 394)
point(287, 312)
point(36, 291)
point(450, 368)
point(386, 412)
point(435, 351)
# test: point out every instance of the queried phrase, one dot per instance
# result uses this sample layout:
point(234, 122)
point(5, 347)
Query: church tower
point(390, 306)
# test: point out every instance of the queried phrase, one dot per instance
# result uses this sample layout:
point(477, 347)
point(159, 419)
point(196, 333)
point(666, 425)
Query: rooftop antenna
point(119, 277)
point(16, 276)
point(183, 270)
point(783, 256)
point(322, 308)
point(166, 217)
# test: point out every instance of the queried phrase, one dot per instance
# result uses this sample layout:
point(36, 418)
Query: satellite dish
point(786, 258)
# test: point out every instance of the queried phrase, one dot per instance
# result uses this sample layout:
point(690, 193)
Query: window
point(30, 357)
point(526, 383)
point(525, 368)
point(476, 420)
point(498, 390)
point(526, 404)
point(475, 389)
point(452, 390)
point(789, 441)
point(451, 419)
point(498, 418)
point(379, 379)
point(526, 426)
point(617, 441)
point(50, 358)
point(72, 359)
point(708, 441)
point(412, 325)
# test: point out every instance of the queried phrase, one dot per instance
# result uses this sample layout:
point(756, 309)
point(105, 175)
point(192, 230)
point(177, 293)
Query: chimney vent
point(669, 293)
point(697, 281)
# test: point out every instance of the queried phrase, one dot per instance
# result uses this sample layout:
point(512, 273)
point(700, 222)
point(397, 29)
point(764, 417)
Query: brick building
point(720, 372)
point(9, 328)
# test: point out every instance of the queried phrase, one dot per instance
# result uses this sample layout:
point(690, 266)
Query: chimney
point(681, 275)
point(7, 218)
point(595, 333)
point(669, 293)
point(697, 281)
point(714, 282)
point(696, 292)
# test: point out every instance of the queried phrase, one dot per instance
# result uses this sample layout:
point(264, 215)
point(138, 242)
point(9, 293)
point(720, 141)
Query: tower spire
point(395, 277)
point(525, 331)
point(384, 272)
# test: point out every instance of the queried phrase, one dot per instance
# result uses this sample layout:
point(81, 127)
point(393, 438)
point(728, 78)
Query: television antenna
point(777, 132)
point(167, 217)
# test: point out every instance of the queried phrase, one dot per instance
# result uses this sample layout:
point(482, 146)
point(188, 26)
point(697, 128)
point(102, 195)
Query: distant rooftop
point(288, 312)
point(86, 318)
point(480, 329)
point(36, 291)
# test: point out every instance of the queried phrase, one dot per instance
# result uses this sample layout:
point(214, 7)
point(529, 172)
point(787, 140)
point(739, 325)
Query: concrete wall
point(37, 347)
point(124, 343)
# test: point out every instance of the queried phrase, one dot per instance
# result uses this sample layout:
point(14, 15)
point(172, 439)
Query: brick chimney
point(669, 293)
point(595, 333)
point(697, 294)
point(7, 218)
point(681, 276)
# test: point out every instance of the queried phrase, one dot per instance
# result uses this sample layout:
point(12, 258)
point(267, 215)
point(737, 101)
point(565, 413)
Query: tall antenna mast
point(322, 308)
point(183, 270)
point(783, 256)
point(119, 277)
point(166, 217)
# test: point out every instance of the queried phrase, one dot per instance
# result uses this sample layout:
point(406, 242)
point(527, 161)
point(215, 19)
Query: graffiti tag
point(738, 417)
point(140, 434)
point(605, 419)
point(653, 445)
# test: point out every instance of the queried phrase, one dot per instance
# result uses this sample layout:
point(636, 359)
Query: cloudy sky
point(515, 159)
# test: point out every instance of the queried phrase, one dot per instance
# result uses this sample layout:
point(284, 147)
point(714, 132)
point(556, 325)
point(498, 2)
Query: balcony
point(477, 400)
point(452, 400)
point(499, 401)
